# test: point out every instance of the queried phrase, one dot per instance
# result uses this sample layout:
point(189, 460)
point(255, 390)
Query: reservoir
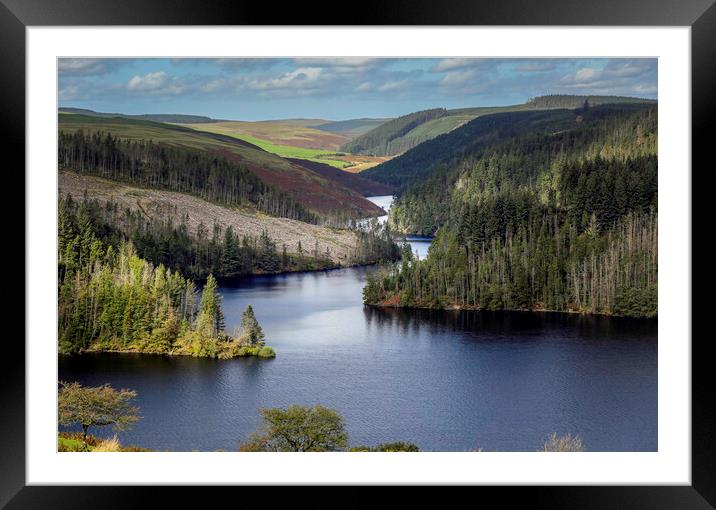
point(445, 380)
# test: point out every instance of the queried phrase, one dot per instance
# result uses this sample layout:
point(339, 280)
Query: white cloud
point(156, 83)
point(301, 78)
point(448, 64)
point(586, 74)
point(88, 66)
point(393, 85)
point(150, 81)
point(71, 93)
point(455, 78)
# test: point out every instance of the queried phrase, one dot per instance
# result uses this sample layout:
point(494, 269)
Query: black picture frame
point(700, 15)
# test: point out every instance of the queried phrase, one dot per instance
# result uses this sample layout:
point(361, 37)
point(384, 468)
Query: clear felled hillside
point(310, 190)
point(182, 208)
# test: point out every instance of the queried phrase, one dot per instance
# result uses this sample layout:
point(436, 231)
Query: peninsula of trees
point(553, 210)
point(110, 299)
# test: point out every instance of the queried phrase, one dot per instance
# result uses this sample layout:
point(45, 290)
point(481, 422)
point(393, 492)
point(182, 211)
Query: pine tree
point(211, 318)
point(230, 261)
point(250, 328)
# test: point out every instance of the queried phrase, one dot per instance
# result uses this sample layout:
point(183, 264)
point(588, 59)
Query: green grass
point(285, 151)
point(71, 445)
point(72, 442)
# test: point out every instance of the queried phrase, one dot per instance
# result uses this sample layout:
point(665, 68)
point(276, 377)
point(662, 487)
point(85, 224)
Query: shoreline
point(167, 354)
point(473, 308)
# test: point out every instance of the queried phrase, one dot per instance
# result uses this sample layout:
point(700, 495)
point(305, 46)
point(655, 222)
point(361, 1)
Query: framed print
point(419, 249)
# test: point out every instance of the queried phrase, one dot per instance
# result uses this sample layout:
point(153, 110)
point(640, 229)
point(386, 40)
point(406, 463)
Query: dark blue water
point(444, 380)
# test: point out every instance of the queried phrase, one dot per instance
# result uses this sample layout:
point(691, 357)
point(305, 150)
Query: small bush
point(566, 443)
point(397, 446)
point(248, 351)
point(108, 445)
point(266, 352)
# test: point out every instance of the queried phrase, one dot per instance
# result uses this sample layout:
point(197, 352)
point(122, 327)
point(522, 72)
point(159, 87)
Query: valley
point(421, 254)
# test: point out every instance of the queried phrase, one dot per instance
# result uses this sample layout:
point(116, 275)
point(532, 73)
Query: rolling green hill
point(285, 150)
point(422, 159)
point(313, 191)
point(379, 141)
point(279, 136)
point(404, 133)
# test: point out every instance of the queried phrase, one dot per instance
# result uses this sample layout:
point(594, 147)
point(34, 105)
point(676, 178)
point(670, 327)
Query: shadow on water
point(516, 325)
point(445, 380)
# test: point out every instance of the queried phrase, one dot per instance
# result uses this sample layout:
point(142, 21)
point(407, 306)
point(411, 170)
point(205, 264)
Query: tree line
point(148, 164)
point(551, 221)
point(210, 249)
point(109, 298)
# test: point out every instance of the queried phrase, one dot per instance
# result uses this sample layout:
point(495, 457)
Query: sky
point(337, 88)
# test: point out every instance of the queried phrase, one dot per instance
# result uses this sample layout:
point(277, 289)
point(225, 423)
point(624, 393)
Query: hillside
point(352, 181)
point(156, 117)
point(419, 161)
point(159, 205)
point(311, 190)
point(404, 133)
point(571, 101)
point(378, 141)
point(292, 133)
point(477, 134)
point(295, 136)
point(552, 210)
point(352, 128)
point(429, 176)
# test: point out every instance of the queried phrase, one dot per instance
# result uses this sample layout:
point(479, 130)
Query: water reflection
point(446, 380)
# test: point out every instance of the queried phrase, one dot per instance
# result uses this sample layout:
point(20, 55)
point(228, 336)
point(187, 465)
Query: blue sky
point(337, 88)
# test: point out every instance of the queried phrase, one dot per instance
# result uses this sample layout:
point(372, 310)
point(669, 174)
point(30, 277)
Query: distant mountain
point(177, 118)
point(351, 128)
point(403, 133)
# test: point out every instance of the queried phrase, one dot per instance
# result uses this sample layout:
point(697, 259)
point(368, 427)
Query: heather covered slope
point(308, 188)
point(355, 182)
point(294, 133)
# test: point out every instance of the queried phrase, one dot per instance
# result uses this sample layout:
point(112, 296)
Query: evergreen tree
point(251, 331)
point(230, 260)
point(210, 314)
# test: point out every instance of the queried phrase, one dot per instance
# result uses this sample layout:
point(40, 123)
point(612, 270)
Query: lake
point(445, 380)
point(419, 244)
